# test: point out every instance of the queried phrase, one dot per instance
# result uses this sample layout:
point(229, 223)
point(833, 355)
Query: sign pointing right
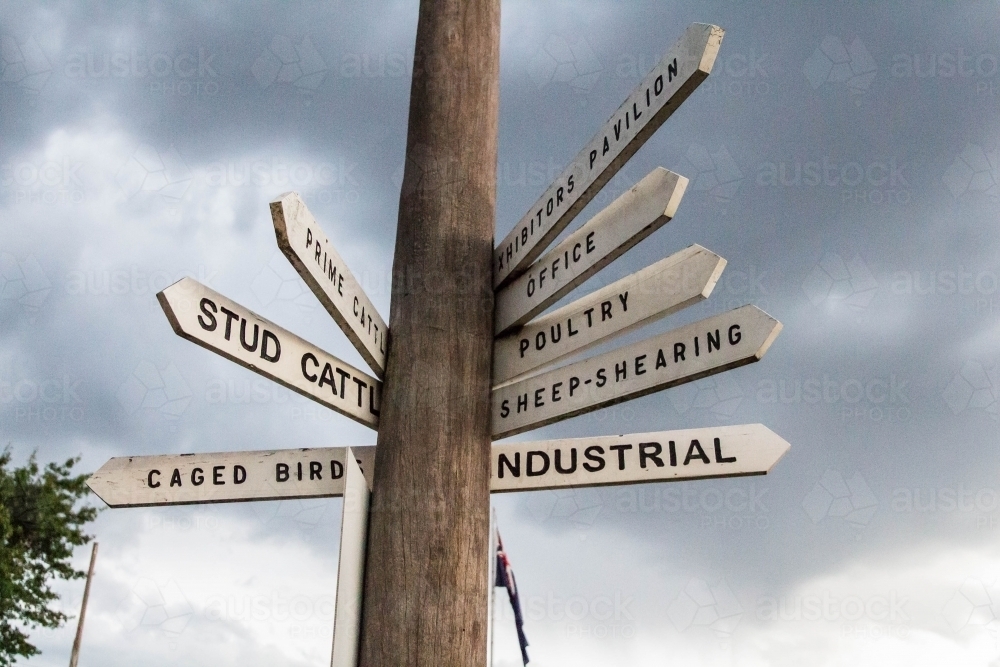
point(688, 353)
point(666, 287)
point(688, 62)
point(644, 208)
point(699, 453)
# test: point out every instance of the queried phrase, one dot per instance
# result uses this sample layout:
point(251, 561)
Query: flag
point(505, 578)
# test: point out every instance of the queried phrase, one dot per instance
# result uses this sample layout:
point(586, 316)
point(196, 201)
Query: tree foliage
point(40, 526)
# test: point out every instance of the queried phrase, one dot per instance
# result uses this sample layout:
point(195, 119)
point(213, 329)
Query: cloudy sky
point(844, 158)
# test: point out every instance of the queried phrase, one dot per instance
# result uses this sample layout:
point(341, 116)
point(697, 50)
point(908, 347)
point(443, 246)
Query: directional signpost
point(611, 460)
point(689, 353)
point(318, 262)
point(409, 577)
point(351, 565)
point(666, 287)
point(629, 219)
point(209, 319)
point(682, 69)
point(226, 477)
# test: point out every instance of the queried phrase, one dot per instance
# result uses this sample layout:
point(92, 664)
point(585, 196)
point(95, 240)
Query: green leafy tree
point(39, 527)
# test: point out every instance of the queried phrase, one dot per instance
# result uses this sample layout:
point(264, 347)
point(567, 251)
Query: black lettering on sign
point(361, 385)
point(175, 479)
point(281, 472)
point(595, 458)
point(719, 458)
point(734, 334)
point(149, 479)
point(530, 470)
point(315, 470)
point(713, 341)
point(217, 475)
point(505, 408)
point(621, 449)
point(197, 476)
point(337, 469)
point(514, 469)
point(243, 336)
point(696, 452)
point(230, 316)
point(270, 337)
point(309, 357)
point(212, 323)
point(651, 451)
point(239, 474)
point(343, 377)
point(326, 377)
point(572, 462)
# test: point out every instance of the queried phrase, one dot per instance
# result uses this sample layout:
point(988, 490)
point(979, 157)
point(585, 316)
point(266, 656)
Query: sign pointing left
point(318, 262)
point(205, 317)
point(226, 477)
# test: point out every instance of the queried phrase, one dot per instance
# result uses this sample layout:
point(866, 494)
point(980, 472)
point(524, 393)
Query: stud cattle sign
point(209, 319)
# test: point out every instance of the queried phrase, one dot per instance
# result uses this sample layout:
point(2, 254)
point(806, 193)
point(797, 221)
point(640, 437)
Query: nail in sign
point(205, 317)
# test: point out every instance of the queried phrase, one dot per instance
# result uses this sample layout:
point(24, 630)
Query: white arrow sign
point(318, 262)
point(351, 566)
point(666, 287)
point(225, 477)
point(636, 214)
point(723, 451)
point(688, 353)
point(209, 319)
point(688, 62)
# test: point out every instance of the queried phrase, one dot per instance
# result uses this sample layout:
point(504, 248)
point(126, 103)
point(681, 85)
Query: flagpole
point(493, 581)
point(75, 654)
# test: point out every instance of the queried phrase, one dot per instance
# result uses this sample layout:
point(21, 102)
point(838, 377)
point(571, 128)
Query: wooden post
point(425, 581)
point(75, 655)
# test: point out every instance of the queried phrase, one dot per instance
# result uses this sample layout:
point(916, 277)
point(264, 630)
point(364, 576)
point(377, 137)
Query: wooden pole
point(75, 655)
point(425, 584)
